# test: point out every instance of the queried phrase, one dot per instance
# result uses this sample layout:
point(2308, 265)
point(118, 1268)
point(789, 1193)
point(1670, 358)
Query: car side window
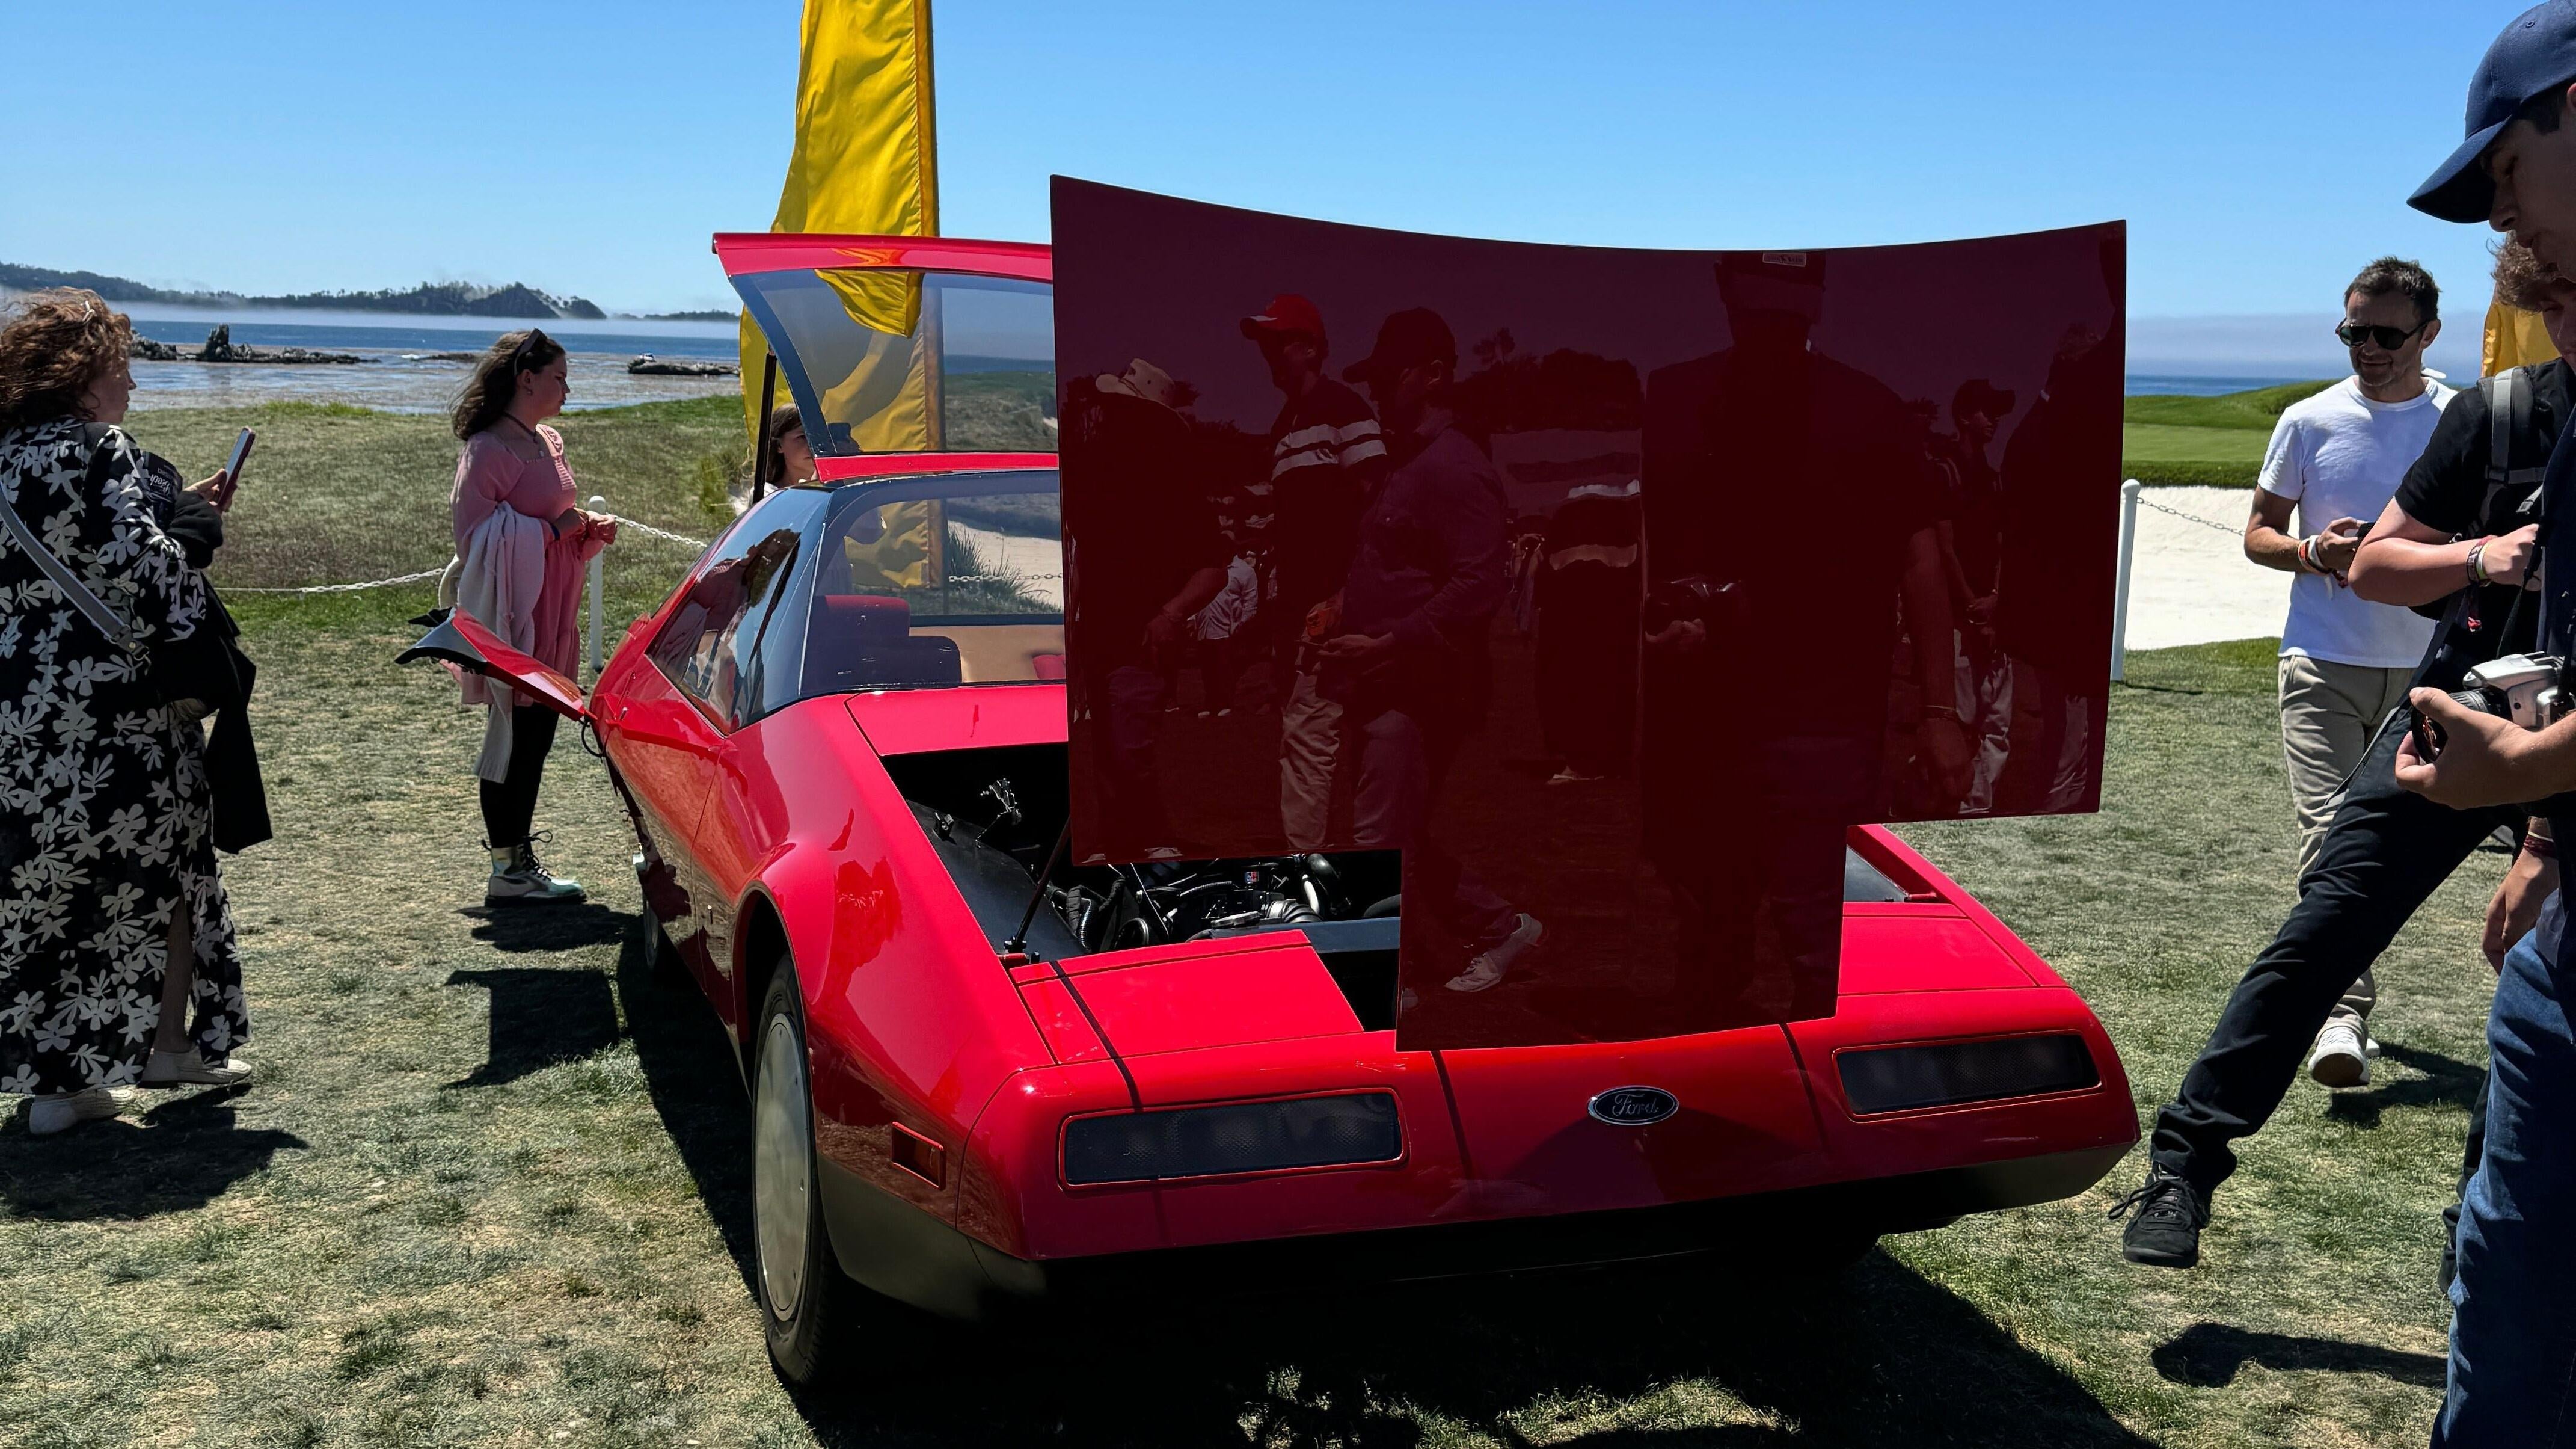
point(709, 645)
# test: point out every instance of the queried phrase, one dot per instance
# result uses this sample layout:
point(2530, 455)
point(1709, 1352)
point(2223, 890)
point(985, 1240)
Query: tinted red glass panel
point(1610, 586)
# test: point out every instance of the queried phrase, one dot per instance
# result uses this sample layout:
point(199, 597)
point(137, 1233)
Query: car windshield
point(890, 361)
point(921, 584)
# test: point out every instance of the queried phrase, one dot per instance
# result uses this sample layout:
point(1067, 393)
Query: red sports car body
point(981, 1077)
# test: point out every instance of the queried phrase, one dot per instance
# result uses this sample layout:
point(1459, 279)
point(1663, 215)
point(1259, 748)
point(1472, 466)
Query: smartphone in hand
point(233, 469)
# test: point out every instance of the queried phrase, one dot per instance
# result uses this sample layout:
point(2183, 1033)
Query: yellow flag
point(2514, 338)
point(866, 156)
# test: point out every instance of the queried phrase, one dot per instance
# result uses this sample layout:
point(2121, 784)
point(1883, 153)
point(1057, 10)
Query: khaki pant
point(2329, 712)
point(1310, 736)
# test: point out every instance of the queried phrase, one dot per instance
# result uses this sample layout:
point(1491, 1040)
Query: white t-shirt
point(2340, 455)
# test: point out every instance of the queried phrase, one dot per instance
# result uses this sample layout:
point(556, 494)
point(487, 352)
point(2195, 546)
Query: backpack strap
point(2508, 396)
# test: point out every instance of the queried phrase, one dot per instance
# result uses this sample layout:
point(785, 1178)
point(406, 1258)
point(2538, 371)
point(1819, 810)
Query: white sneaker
point(47, 1115)
point(2341, 1057)
point(1486, 967)
point(190, 1068)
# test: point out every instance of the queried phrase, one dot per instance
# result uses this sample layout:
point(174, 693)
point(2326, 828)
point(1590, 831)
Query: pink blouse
point(491, 475)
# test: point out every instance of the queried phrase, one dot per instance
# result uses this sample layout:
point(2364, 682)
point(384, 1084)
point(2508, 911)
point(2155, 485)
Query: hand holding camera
point(2466, 748)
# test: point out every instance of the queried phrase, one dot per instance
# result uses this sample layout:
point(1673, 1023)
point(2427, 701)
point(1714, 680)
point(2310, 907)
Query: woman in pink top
point(512, 462)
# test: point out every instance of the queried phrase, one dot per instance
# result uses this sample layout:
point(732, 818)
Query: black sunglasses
point(2388, 339)
point(528, 343)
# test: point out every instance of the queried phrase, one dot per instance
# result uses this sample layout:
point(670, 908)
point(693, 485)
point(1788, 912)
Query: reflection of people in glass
point(698, 647)
point(1411, 671)
point(791, 454)
point(2056, 652)
point(1326, 455)
point(1140, 483)
point(1971, 543)
point(1785, 514)
point(1586, 593)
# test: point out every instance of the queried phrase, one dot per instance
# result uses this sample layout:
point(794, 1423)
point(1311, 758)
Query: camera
point(2527, 689)
point(1695, 597)
point(2524, 688)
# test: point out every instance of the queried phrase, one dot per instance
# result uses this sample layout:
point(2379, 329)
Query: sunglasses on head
point(527, 344)
point(2387, 339)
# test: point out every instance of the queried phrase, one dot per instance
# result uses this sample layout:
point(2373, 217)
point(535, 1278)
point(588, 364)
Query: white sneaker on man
point(2341, 1057)
point(1486, 967)
point(47, 1115)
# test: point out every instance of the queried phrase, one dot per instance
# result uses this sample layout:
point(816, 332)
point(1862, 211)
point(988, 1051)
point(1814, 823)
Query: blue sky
point(2261, 151)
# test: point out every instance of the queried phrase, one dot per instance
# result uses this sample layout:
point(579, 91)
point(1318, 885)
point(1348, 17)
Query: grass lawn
point(2215, 441)
point(492, 1188)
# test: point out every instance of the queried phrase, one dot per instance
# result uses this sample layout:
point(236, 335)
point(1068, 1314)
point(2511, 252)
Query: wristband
point(2539, 847)
point(2477, 560)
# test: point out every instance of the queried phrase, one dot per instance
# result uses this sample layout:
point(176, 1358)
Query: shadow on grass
point(550, 927)
point(696, 1087)
point(186, 1153)
point(1880, 1356)
point(540, 1016)
point(2445, 1081)
point(2208, 1356)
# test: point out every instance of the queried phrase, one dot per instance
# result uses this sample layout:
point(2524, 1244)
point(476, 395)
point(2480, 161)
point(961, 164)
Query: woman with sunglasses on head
point(521, 544)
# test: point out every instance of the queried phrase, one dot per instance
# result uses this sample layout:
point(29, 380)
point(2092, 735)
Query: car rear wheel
point(802, 1293)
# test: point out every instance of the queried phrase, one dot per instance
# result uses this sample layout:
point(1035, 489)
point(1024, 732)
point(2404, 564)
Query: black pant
point(510, 808)
point(2386, 852)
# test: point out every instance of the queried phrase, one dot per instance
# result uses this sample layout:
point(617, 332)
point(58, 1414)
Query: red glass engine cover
point(1613, 587)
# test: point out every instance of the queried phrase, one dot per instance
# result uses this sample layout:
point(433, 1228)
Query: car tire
point(803, 1296)
point(661, 958)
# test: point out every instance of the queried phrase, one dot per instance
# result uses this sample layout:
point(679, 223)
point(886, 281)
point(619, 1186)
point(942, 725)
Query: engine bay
point(996, 817)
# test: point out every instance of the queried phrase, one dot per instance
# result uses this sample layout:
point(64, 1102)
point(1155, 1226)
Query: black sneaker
point(2166, 1231)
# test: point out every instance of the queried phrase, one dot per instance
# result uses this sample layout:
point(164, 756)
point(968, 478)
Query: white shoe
point(47, 1115)
point(190, 1068)
point(1486, 967)
point(1572, 776)
point(2341, 1057)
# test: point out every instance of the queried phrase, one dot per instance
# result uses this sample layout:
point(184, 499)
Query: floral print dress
point(105, 813)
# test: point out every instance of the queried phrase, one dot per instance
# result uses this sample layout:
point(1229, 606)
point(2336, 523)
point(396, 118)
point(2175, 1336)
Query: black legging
point(510, 808)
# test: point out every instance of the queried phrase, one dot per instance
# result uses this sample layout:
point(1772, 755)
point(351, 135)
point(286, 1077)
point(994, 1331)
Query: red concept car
point(983, 1076)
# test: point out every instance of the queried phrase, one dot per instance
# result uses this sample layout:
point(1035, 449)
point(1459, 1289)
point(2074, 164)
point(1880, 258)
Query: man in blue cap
point(2513, 1329)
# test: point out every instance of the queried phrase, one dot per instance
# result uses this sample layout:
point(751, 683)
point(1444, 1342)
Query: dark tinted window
point(710, 644)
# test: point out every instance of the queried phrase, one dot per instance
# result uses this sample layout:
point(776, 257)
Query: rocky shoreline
point(651, 366)
point(219, 348)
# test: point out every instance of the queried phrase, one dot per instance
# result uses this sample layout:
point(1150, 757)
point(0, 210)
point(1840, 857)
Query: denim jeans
point(2513, 1324)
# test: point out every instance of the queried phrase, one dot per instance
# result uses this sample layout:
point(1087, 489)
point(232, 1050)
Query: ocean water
point(399, 375)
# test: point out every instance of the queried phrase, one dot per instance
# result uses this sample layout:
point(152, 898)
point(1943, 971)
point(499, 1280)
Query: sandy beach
point(2192, 582)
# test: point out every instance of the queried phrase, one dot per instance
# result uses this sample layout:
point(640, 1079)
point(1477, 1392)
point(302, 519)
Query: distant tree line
point(429, 299)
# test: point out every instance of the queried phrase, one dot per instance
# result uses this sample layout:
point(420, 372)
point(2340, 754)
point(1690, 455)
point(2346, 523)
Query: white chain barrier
point(344, 588)
point(427, 574)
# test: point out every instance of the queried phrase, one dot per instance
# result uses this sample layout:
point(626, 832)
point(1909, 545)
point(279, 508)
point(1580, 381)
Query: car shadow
point(541, 1015)
point(2444, 1081)
point(1878, 1356)
point(185, 1153)
point(2208, 1356)
point(696, 1088)
point(549, 928)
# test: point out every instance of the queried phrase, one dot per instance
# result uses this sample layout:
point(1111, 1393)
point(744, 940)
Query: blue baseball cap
point(2536, 53)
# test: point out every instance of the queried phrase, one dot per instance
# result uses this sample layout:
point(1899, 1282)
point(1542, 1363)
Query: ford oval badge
point(1634, 1106)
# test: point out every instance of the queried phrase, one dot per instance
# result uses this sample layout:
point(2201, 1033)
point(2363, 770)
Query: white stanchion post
point(597, 608)
point(2120, 593)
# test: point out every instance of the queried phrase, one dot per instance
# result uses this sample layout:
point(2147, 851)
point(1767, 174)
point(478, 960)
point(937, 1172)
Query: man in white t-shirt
point(2335, 459)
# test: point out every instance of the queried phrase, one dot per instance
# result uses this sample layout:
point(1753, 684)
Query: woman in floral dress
point(107, 861)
